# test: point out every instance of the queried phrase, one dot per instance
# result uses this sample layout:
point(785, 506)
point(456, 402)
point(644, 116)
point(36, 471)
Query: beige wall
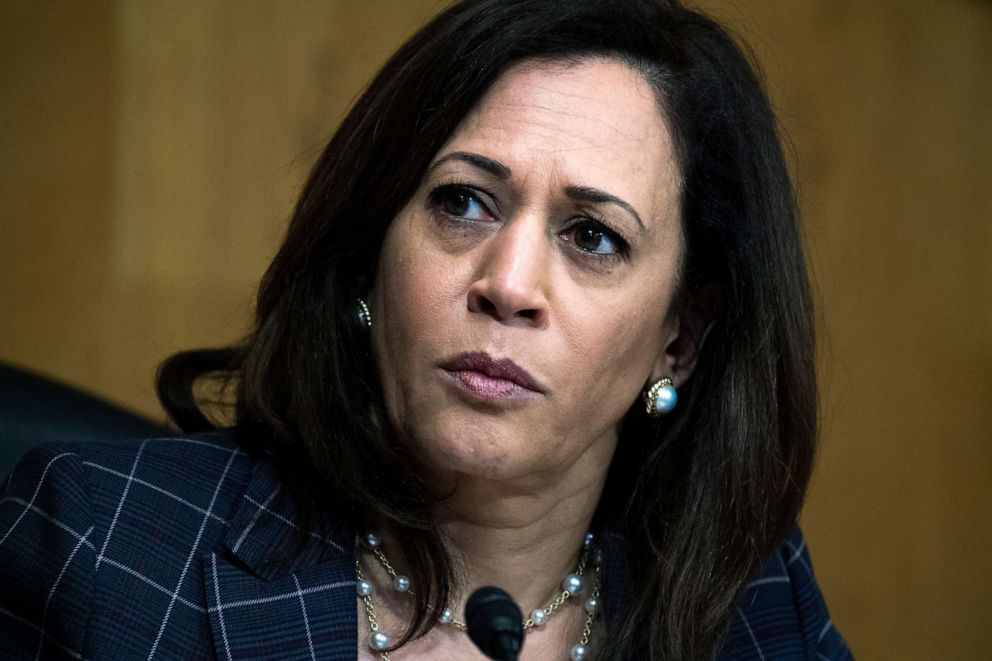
point(152, 151)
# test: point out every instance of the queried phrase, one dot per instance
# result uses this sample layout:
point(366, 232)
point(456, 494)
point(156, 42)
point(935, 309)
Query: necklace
point(572, 585)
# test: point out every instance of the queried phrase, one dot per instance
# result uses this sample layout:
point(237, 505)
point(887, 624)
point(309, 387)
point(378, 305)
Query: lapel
point(615, 590)
point(263, 606)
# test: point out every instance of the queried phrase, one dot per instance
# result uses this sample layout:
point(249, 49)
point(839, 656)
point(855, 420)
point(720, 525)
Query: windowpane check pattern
point(178, 548)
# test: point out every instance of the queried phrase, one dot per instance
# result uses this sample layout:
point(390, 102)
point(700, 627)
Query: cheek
point(614, 351)
point(412, 297)
point(402, 289)
point(416, 291)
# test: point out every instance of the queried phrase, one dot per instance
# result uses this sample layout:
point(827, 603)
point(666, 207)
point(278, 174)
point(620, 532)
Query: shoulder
point(178, 478)
point(82, 522)
point(183, 463)
point(782, 613)
point(161, 453)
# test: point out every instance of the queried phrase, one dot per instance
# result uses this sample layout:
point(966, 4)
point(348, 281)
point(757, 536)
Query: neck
point(523, 541)
point(522, 535)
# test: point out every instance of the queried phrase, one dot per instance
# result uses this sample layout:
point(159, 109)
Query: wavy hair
point(701, 495)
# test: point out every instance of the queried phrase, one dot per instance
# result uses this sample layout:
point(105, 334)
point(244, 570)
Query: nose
point(511, 278)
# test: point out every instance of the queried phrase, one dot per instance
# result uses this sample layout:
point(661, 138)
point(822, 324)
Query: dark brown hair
point(700, 495)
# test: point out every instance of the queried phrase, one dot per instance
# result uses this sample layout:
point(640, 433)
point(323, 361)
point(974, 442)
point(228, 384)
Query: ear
point(685, 335)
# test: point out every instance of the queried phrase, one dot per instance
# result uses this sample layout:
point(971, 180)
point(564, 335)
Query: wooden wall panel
point(56, 137)
point(886, 103)
point(152, 151)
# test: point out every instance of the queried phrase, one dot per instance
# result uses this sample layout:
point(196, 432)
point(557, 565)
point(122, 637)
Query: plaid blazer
point(171, 549)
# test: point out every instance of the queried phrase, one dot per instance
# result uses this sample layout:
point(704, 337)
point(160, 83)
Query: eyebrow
point(596, 196)
point(502, 172)
point(494, 168)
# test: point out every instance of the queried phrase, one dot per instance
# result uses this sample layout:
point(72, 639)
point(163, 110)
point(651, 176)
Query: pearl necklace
point(572, 585)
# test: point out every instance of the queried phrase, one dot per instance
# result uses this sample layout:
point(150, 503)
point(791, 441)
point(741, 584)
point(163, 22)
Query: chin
point(460, 447)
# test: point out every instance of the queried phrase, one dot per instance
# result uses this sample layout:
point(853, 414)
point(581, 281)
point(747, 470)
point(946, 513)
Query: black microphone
point(494, 623)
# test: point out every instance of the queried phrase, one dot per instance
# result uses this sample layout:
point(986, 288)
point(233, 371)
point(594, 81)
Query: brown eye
point(460, 202)
point(456, 204)
point(592, 237)
point(588, 239)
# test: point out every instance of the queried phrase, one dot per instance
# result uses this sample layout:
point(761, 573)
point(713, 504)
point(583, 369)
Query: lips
point(491, 377)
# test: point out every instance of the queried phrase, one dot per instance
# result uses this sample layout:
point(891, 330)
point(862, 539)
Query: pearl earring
point(660, 398)
point(364, 315)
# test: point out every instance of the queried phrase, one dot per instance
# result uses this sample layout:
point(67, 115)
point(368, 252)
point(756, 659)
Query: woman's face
point(522, 297)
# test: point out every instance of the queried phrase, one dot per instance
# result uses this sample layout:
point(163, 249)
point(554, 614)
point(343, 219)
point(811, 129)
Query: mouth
point(491, 378)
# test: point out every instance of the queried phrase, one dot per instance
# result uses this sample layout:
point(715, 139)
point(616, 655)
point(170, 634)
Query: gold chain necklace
point(572, 585)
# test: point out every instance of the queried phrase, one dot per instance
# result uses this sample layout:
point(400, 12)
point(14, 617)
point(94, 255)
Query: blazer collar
point(264, 532)
point(256, 586)
point(615, 587)
point(266, 602)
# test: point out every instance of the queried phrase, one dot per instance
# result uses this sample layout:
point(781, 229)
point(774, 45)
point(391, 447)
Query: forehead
point(596, 123)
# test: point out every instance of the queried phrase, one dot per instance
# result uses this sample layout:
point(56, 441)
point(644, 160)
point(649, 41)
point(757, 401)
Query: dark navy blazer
point(172, 549)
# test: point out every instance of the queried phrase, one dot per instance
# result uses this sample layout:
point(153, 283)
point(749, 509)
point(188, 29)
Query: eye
point(593, 237)
point(460, 201)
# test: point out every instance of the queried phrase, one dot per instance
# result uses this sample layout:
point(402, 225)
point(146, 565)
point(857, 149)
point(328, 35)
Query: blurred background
point(152, 150)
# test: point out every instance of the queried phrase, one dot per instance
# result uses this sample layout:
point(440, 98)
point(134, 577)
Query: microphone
point(494, 623)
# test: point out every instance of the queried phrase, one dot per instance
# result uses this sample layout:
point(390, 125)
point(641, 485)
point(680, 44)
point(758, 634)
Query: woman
point(541, 320)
